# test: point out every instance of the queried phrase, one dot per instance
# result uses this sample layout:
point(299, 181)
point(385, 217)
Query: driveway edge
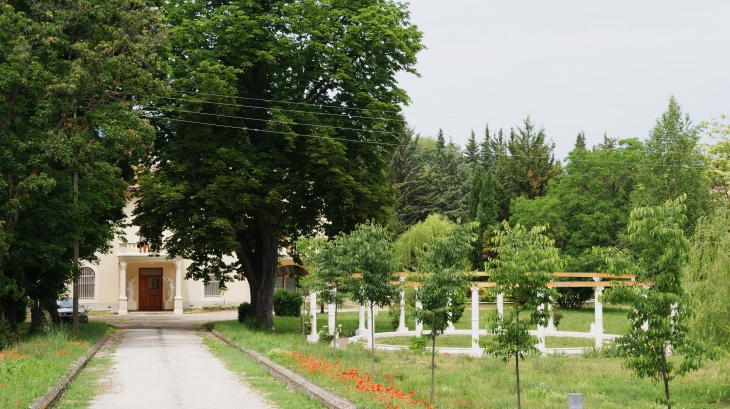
point(294, 380)
point(54, 393)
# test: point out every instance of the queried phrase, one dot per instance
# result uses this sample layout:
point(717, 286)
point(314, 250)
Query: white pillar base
point(123, 306)
point(178, 306)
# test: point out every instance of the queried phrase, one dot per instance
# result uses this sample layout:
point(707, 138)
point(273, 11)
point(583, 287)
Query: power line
point(282, 122)
point(407, 145)
point(387, 111)
point(322, 113)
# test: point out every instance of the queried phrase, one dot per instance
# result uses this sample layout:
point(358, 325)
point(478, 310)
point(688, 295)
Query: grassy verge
point(466, 382)
point(87, 384)
point(40, 360)
point(273, 390)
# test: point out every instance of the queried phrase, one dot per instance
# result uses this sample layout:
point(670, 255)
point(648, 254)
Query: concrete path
point(171, 368)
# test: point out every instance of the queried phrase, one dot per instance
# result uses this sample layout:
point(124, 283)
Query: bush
point(244, 312)
point(6, 337)
point(573, 298)
point(21, 307)
point(287, 303)
point(418, 345)
point(220, 307)
point(307, 325)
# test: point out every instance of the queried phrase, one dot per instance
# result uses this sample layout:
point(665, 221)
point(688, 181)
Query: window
point(86, 283)
point(212, 289)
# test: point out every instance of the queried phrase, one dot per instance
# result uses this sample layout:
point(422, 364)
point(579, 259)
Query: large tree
point(674, 165)
point(72, 73)
point(282, 115)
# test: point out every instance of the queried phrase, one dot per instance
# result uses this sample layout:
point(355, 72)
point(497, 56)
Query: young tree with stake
point(444, 281)
point(663, 254)
point(522, 272)
point(370, 250)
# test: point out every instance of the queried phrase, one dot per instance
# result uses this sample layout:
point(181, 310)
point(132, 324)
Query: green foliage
point(370, 250)
point(522, 272)
point(663, 254)
point(244, 311)
point(708, 274)
point(417, 345)
point(443, 282)
point(588, 205)
point(674, 165)
point(7, 338)
point(411, 245)
point(557, 318)
point(718, 155)
point(264, 169)
point(287, 303)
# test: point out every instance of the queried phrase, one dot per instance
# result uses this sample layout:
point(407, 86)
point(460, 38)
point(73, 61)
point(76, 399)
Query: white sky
point(600, 66)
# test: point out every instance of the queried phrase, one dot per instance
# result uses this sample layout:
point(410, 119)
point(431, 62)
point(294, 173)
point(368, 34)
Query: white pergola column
point(360, 320)
point(331, 311)
point(313, 336)
point(551, 320)
point(475, 350)
point(178, 289)
point(450, 325)
point(419, 324)
point(540, 331)
point(371, 324)
point(500, 305)
point(122, 310)
point(402, 320)
point(645, 325)
point(598, 320)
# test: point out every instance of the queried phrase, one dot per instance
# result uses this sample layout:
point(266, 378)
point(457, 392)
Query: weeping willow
point(708, 278)
point(411, 245)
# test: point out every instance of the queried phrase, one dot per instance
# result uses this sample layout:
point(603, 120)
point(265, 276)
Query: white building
point(130, 278)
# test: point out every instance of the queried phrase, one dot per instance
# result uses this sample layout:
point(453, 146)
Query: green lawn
point(40, 360)
point(464, 341)
point(474, 382)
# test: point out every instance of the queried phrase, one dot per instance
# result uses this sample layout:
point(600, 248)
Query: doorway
point(150, 289)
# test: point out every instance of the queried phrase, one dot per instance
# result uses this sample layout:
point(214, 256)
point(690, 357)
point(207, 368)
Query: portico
point(146, 280)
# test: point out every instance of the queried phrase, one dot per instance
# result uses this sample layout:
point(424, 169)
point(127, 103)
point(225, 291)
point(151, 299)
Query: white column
point(402, 320)
point(419, 324)
point(313, 336)
point(371, 324)
point(331, 315)
point(500, 305)
point(178, 289)
point(598, 321)
point(475, 350)
point(122, 310)
point(450, 325)
point(645, 325)
point(540, 331)
point(551, 321)
point(360, 320)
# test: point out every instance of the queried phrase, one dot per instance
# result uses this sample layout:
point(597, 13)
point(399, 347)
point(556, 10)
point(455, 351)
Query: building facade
point(129, 278)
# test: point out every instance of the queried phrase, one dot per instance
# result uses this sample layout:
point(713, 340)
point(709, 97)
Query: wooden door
point(150, 293)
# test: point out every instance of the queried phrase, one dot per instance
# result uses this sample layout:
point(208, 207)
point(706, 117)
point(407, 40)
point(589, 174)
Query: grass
point(39, 361)
point(466, 382)
point(464, 341)
point(272, 389)
point(86, 385)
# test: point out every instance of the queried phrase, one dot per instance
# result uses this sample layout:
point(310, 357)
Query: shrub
point(6, 337)
point(244, 312)
point(307, 325)
point(287, 303)
point(573, 298)
point(220, 307)
point(557, 317)
point(418, 345)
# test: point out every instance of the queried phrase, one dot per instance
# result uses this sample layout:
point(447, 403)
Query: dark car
point(65, 310)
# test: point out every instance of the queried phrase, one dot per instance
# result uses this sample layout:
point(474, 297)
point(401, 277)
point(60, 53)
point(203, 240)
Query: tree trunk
point(517, 372)
point(665, 376)
point(260, 260)
point(433, 356)
point(11, 315)
point(371, 324)
point(75, 314)
point(52, 308)
point(36, 317)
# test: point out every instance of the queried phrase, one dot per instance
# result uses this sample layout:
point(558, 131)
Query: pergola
point(599, 281)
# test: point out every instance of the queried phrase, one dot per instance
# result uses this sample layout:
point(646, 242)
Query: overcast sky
point(599, 66)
